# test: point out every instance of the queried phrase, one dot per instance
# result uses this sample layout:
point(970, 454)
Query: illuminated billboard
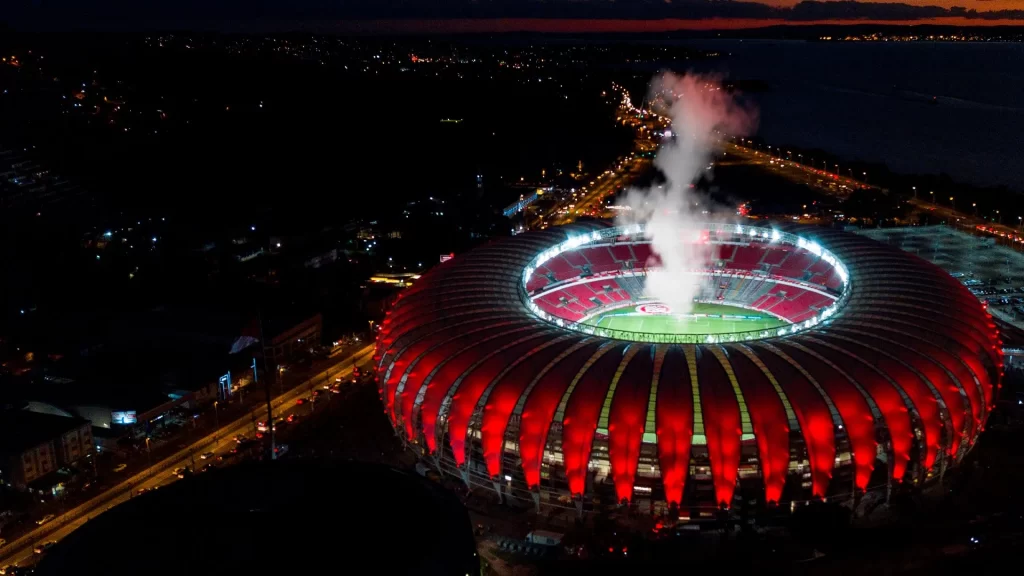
point(123, 417)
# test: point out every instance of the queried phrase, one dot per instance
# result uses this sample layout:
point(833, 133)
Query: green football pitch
point(703, 319)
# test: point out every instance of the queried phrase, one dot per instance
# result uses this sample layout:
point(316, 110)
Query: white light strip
point(638, 229)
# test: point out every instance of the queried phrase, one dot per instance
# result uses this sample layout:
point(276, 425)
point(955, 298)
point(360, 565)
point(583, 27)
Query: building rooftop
point(21, 429)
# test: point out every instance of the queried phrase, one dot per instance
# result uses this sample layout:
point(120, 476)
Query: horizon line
point(612, 25)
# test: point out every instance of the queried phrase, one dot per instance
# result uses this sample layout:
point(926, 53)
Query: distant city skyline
point(371, 16)
point(616, 25)
point(976, 4)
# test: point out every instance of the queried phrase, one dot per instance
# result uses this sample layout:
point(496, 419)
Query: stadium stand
point(565, 297)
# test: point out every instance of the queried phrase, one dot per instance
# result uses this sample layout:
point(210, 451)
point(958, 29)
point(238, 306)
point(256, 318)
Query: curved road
point(21, 552)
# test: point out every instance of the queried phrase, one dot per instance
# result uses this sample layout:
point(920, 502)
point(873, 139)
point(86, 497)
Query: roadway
point(21, 551)
point(829, 183)
point(589, 201)
point(605, 185)
point(835, 184)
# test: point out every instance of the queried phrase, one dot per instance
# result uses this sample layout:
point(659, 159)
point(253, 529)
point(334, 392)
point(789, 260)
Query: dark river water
point(918, 107)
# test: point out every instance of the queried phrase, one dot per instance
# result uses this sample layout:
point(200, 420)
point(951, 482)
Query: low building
point(34, 446)
point(288, 339)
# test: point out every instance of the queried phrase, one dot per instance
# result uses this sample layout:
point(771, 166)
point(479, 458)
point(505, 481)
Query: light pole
point(975, 206)
point(932, 196)
point(952, 202)
point(865, 177)
point(1020, 223)
point(216, 415)
point(914, 188)
point(999, 217)
point(149, 455)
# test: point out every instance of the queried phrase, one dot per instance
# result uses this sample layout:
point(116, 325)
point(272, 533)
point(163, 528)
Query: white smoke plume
point(701, 110)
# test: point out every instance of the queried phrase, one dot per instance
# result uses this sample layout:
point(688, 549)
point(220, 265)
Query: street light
point(975, 206)
point(932, 196)
point(952, 203)
point(915, 191)
point(1020, 223)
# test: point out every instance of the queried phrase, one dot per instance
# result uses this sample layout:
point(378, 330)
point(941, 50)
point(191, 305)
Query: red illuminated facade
point(892, 387)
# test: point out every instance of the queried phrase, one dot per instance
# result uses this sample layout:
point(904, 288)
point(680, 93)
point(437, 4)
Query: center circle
point(653, 309)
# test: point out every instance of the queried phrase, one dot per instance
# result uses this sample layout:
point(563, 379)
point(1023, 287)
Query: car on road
point(292, 417)
point(120, 467)
point(209, 467)
point(206, 455)
point(243, 448)
point(301, 401)
point(44, 547)
point(45, 519)
point(239, 438)
point(183, 471)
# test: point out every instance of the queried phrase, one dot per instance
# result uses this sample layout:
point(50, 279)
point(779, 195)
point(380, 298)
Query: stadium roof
point(911, 354)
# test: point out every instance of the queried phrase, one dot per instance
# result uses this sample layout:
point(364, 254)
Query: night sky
point(496, 15)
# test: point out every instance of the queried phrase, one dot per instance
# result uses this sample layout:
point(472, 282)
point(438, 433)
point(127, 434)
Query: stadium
point(815, 364)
